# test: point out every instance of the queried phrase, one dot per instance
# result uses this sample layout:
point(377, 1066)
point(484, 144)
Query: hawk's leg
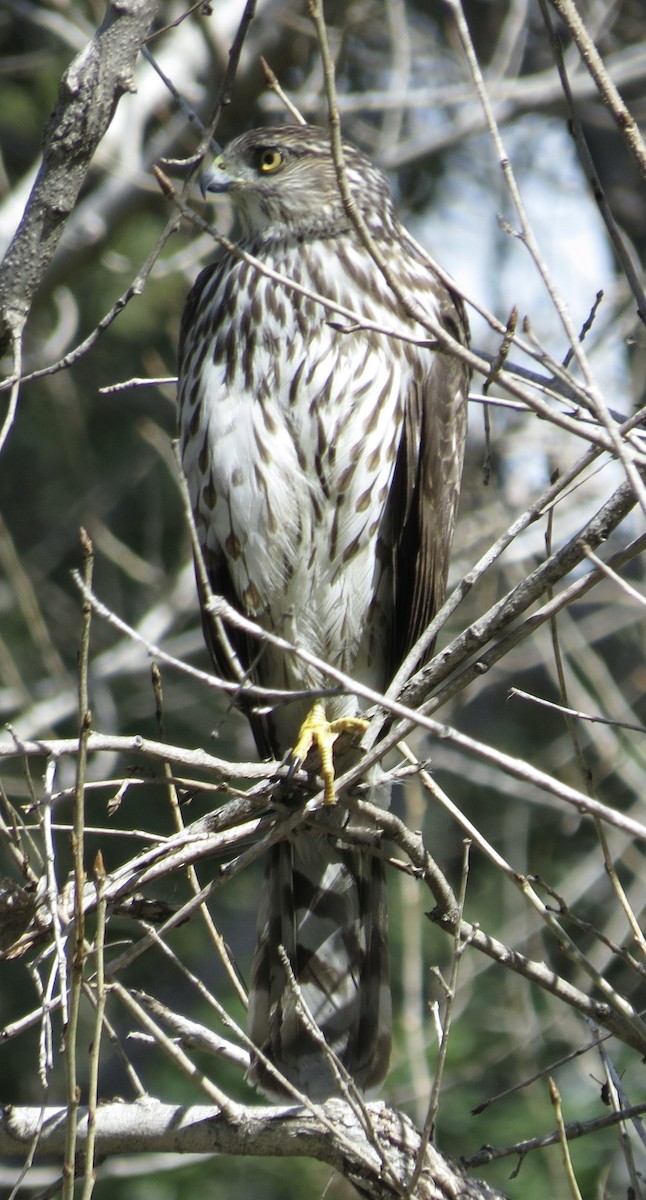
point(318, 733)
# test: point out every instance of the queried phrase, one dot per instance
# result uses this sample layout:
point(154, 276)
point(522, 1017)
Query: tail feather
point(325, 904)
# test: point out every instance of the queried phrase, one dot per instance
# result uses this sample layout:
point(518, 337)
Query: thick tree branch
point(89, 93)
point(149, 1125)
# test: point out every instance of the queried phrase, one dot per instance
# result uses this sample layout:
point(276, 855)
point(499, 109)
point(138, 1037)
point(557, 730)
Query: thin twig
point(590, 57)
point(608, 571)
point(624, 257)
point(573, 1130)
point(229, 1108)
point(459, 947)
point(99, 1012)
point(12, 407)
point(595, 718)
point(274, 86)
point(619, 1096)
point(77, 941)
point(347, 1088)
point(214, 935)
point(621, 450)
point(619, 1003)
point(555, 1097)
point(219, 769)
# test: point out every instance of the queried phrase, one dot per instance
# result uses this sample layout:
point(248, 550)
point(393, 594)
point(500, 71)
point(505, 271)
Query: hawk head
point(283, 181)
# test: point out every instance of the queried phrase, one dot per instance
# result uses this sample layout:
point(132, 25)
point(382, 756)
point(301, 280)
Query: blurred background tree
point(91, 445)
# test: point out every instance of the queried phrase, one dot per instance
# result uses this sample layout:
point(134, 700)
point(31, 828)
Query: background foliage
point(80, 453)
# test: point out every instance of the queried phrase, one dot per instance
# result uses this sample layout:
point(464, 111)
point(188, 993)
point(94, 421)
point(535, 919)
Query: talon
point(317, 732)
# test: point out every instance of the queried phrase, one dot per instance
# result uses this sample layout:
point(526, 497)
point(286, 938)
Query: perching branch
point(149, 1126)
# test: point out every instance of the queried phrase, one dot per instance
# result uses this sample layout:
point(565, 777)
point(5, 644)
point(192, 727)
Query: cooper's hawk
point(323, 460)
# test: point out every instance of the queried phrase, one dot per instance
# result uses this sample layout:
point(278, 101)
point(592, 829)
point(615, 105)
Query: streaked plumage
point(324, 470)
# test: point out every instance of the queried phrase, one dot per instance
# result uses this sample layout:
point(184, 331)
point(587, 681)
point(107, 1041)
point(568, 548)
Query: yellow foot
point(317, 732)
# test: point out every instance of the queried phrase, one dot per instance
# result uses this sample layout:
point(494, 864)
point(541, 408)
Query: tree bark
point(89, 93)
point(377, 1154)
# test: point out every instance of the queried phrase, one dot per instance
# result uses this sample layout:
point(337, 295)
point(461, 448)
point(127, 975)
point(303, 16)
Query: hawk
point(323, 454)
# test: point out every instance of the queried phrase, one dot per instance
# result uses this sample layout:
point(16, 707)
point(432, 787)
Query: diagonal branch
point(89, 93)
point(590, 56)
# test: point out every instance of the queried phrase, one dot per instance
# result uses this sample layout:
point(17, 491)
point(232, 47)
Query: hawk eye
point(269, 160)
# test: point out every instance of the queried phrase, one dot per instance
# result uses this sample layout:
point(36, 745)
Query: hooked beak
point(215, 179)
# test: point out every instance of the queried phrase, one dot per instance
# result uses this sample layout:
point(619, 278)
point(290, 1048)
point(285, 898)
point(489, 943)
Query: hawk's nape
point(323, 454)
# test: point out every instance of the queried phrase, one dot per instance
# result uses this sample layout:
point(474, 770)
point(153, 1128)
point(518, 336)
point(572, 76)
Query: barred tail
point(325, 904)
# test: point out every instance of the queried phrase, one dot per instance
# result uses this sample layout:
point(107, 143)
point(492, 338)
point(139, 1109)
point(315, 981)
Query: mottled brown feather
point(324, 468)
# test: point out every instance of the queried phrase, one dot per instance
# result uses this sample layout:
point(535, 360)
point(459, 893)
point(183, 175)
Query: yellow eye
point(269, 160)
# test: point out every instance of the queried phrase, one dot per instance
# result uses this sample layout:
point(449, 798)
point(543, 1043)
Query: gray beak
point(215, 180)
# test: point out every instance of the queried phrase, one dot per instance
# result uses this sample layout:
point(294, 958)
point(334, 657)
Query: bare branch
point(591, 58)
point(89, 92)
point(274, 1132)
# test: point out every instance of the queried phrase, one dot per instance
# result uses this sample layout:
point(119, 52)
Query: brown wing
point(426, 487)
point(223, 642)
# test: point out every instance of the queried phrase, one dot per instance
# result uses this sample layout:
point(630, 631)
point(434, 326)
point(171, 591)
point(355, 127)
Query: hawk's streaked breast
point(323, 459)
